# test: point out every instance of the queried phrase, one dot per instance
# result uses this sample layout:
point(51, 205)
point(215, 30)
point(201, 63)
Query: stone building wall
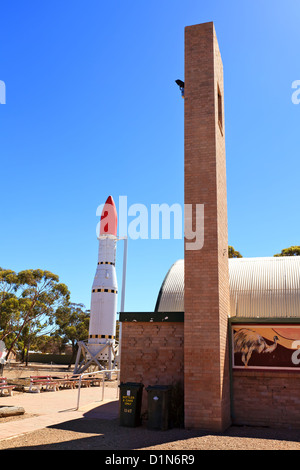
point(266, 398)
point(152, 352)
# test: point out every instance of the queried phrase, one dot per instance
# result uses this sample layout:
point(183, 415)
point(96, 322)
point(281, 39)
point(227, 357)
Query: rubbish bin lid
point(159, 387)
point(131, 384)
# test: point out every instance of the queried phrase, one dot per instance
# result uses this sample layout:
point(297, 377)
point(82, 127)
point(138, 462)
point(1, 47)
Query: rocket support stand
point(83, 349)
point(90, 358)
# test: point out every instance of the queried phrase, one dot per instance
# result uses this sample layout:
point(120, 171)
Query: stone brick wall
point(266, 398)
point(152, 353)
point(206, 375)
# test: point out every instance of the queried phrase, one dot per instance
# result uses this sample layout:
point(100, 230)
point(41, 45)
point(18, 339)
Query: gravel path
point(95, 434)
point(99, 434)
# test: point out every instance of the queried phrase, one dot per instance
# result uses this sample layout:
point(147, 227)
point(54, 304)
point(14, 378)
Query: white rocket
point(102, 327)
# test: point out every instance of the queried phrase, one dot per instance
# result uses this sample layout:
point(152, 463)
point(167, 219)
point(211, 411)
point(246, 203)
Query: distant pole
point(124, 274)
point(123, 292)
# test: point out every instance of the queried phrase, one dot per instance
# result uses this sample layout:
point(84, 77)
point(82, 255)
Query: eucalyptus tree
point(29, 298)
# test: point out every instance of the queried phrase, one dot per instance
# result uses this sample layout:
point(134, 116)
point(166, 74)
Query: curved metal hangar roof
point(259, 287)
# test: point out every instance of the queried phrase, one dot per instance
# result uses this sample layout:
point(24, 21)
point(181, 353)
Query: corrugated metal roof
point(171, 294)
point(259, 287)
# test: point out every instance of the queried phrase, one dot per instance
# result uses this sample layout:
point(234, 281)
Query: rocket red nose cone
point(109, 218)
point(110, 200)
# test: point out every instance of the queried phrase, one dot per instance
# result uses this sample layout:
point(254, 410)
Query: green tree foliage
point(45, 344)
point(291, 251)
point(73, 325)
point(232, 253)
point(28, 302)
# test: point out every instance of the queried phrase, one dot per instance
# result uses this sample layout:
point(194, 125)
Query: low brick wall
point(153, 354)
point(152, 351)
point(266, 398)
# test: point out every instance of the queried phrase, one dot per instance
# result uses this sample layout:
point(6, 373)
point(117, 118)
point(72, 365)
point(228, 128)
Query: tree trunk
point(74, 354)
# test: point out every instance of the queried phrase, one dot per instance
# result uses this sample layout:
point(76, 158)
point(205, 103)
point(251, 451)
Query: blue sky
point(92, 109)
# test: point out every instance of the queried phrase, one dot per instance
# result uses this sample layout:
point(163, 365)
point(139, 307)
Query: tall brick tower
point(206, 362)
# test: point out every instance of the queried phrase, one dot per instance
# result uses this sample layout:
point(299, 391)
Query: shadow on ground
point(99, 429)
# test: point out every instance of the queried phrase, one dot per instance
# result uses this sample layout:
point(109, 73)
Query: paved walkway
point(57, 407)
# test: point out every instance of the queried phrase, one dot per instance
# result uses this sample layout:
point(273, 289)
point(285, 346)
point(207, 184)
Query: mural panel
point(266, 346)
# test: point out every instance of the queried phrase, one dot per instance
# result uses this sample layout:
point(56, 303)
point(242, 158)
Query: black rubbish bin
point(159, 406)
point(130, 403)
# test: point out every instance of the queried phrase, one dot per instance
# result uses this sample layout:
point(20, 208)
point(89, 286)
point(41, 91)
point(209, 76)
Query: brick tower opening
point(206, 298)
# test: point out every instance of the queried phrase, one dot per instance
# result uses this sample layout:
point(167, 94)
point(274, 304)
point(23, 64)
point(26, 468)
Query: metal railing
point(104, 371)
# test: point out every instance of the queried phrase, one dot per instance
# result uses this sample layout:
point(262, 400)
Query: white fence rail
point(103, 372)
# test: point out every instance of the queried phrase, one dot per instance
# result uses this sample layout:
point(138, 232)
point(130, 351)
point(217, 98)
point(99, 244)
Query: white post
point(79, 388)
point(123, 293)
